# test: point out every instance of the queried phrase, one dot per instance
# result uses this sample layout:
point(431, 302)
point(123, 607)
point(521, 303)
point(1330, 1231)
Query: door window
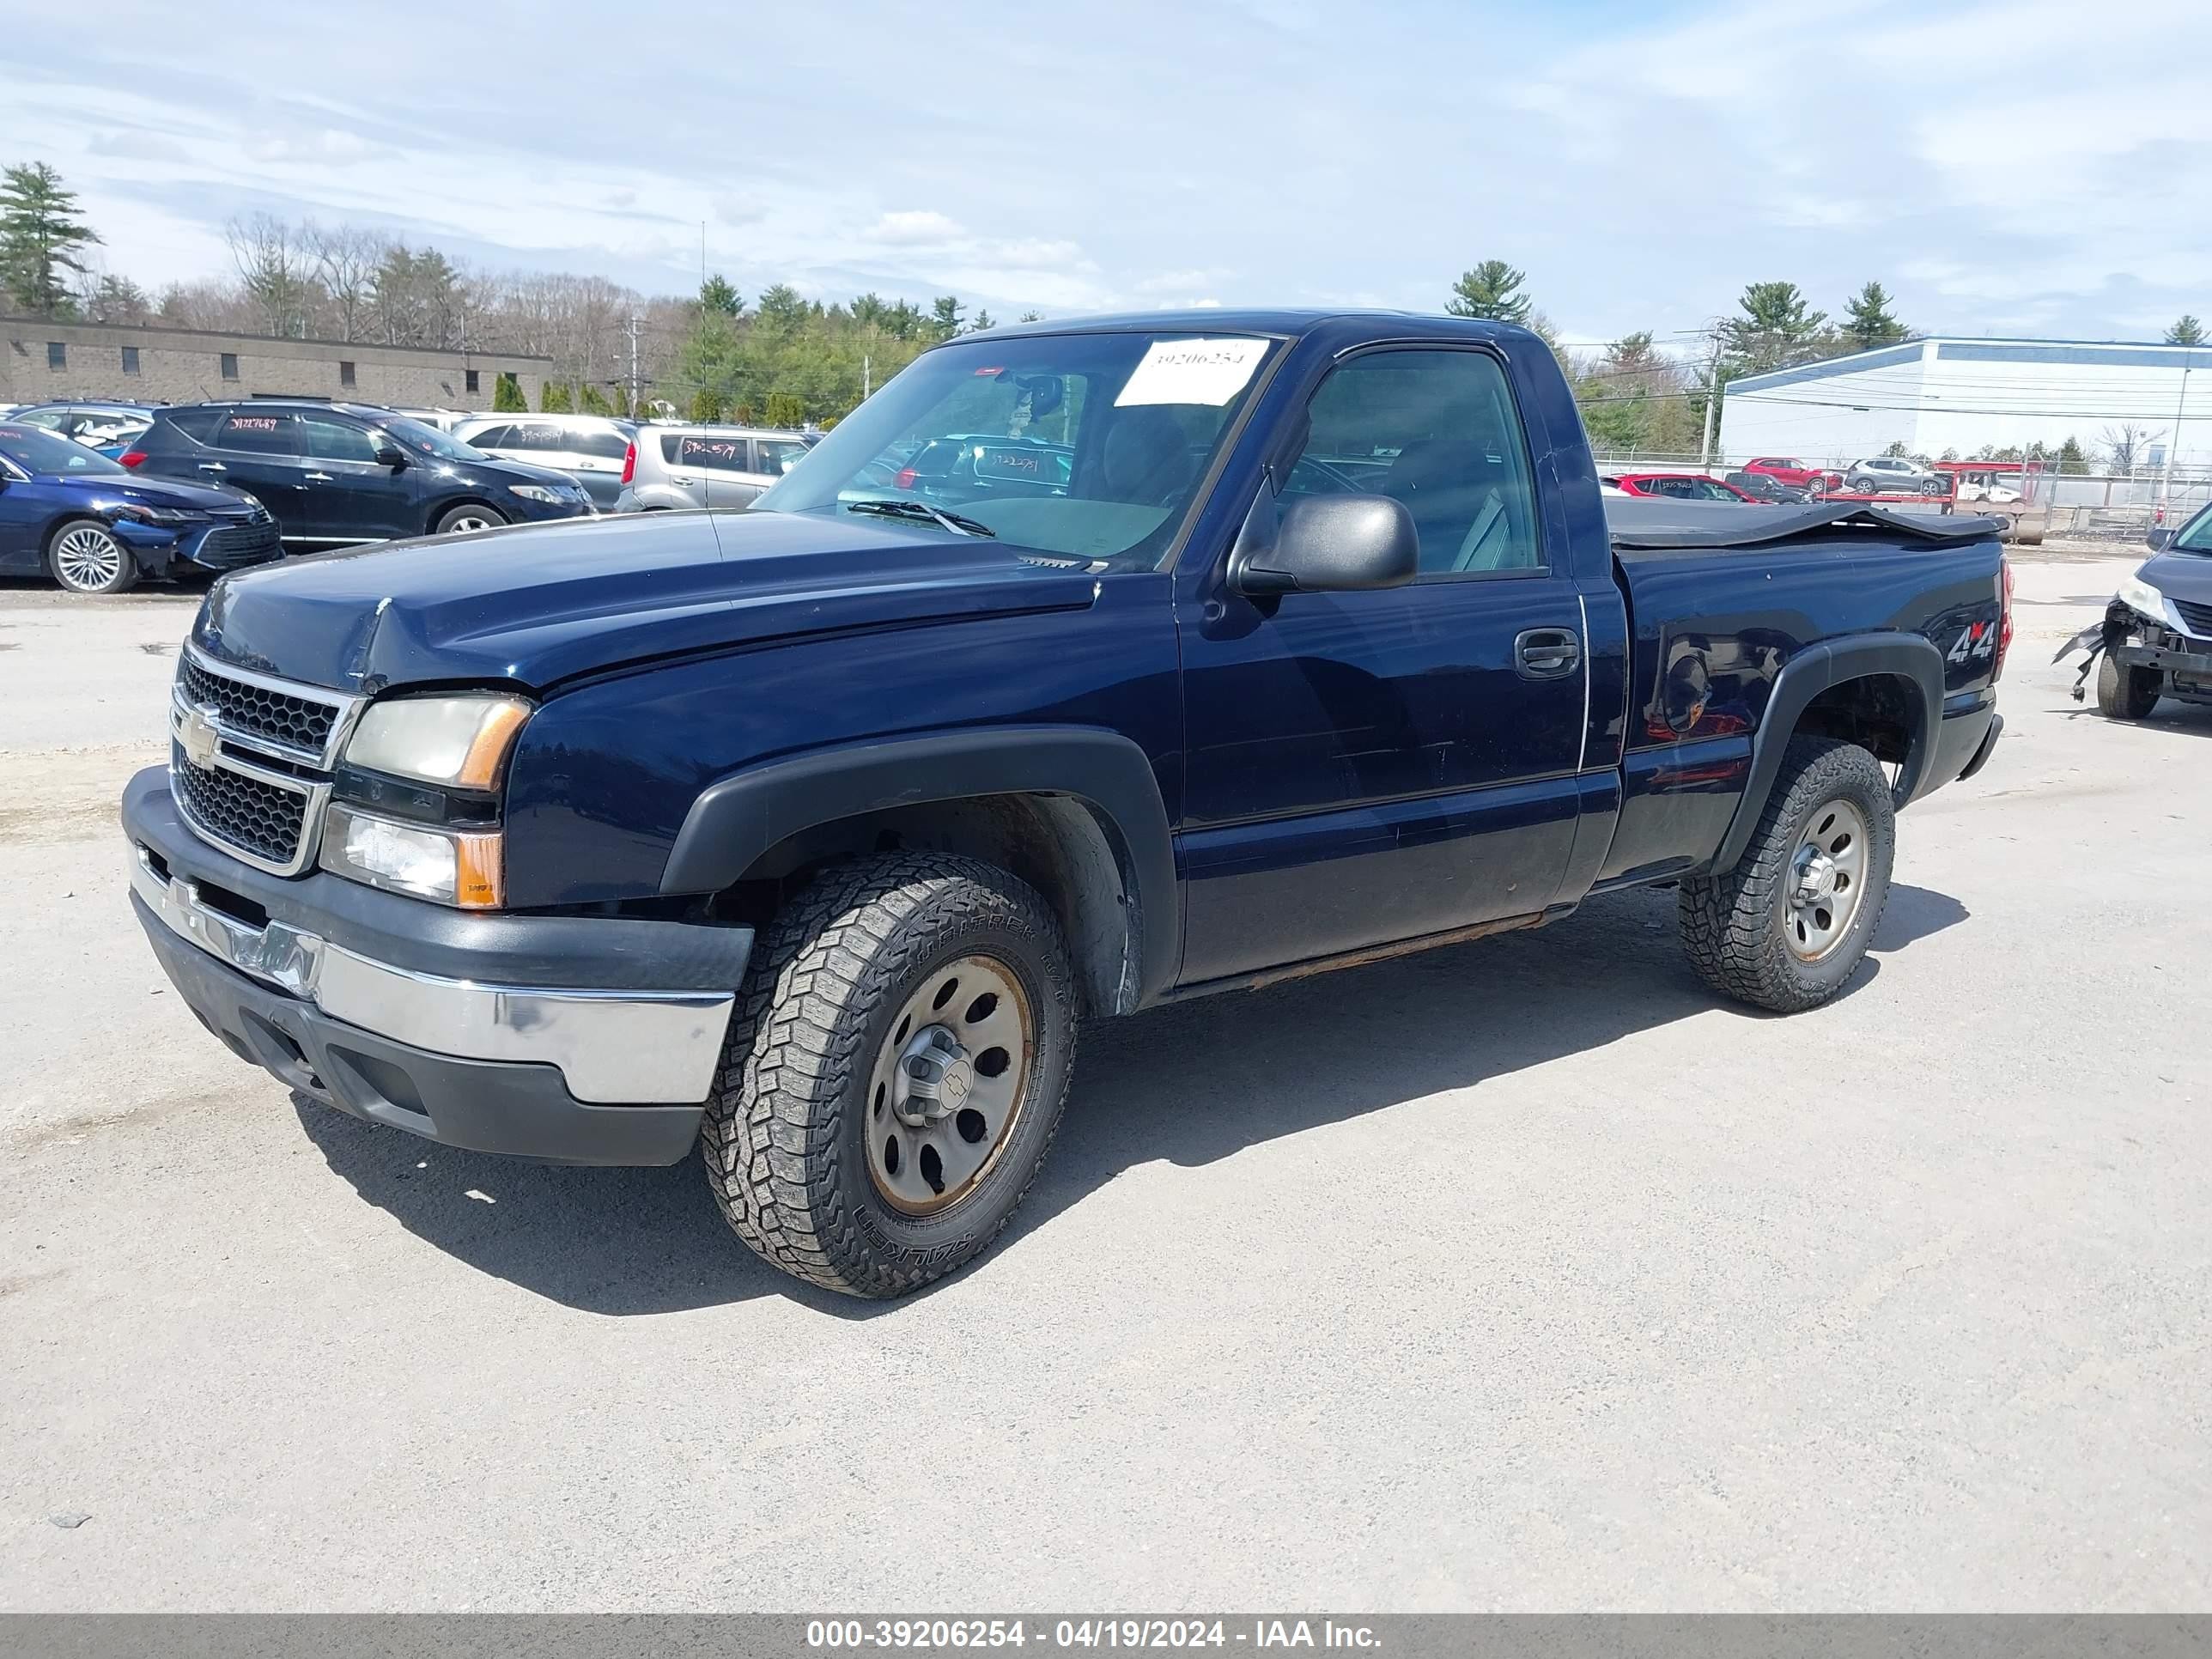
point(779, 455)
point(252, 433)
point(705, 449)
point(608, 446)
point(336, 440)
point(492, 437)
point(1438, 431)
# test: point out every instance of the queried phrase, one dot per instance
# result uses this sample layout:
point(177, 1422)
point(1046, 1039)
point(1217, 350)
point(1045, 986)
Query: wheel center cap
point(934, 1078)
point(1816, 876)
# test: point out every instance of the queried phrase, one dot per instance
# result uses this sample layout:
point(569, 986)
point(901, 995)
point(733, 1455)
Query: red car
point(1677, 486)
point(1787, 470)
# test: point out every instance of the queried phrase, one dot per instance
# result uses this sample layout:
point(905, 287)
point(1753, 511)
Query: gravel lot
point(1519, 1275)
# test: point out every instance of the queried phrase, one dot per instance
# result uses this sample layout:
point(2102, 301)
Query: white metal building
point(1961, 395)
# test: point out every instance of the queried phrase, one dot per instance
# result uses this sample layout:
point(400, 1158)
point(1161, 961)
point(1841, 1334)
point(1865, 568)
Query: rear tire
point(1775, 931)
point(88, 557)
point(467, 517)
point(2125, 692)
point(827, 1157)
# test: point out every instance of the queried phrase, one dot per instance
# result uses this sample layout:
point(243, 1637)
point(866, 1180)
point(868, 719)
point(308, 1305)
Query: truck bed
point(1663, 525)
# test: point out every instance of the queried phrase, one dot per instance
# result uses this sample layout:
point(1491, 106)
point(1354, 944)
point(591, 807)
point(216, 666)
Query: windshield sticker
point(1193, 372)
point(707, 452)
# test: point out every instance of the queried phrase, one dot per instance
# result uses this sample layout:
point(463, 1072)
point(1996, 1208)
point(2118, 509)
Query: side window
point(336, 440)
point(1716, 492)
point(492, 437)
point(601, 446)
point(1438, 431)
point(536, 437)
point(779, 455)
point(197, 424)
point(255, 433)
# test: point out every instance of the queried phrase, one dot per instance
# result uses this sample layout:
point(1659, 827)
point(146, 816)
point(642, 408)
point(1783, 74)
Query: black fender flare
point(737, 818)
point(1803, 678)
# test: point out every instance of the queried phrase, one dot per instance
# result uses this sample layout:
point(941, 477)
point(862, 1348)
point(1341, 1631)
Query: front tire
point(86, 557)
point(2125, 692)
point(1790, 924)
point(894, 1072)
point(467, 517)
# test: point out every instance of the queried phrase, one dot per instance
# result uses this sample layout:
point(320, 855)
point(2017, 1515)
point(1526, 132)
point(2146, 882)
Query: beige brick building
point(43, 361)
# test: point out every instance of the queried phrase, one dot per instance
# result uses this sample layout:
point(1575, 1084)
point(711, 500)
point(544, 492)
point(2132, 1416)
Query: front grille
point(233, 545)
point(302, 723)
point(2197, 616)
point(265, 819)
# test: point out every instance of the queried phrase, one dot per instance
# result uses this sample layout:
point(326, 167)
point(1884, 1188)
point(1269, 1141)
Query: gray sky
point(2008, 168)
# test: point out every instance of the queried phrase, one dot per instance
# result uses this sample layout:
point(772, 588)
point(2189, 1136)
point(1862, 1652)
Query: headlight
point(537, 493)
point(2139, 595)
point(139, 514)
point(465, 868)
point(461, 741)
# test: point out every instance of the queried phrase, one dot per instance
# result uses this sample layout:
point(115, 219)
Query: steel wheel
point(949, 1085)
point(1828, 874)
point(88, 559)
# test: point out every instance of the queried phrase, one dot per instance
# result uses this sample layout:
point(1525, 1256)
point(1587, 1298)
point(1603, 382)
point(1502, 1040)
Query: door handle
point(678, 478)
point(1546, 654)
point(213, 466)
point(320, 477)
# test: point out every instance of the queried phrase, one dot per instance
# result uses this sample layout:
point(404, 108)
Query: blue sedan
point(96, 528)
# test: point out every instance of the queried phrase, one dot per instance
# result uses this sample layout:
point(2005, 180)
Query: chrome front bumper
point(612, 1048)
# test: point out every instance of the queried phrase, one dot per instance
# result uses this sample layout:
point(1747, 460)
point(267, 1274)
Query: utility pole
point(636, 408)
point(867, 384)
point(2174, 448)
point(1712, 403)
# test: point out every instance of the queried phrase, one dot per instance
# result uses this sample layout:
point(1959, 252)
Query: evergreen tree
point(555, 398)
point(1491, 291)
point(945, 316)
point(2186, 331)
point(40, 237)
point(1773, 329)
point(1869, 321)
point(784, 409)
point(706, 405)
point(594, 401)
point(983, 319)
point(506, 397)
point(715, 293)
point(2071, 457)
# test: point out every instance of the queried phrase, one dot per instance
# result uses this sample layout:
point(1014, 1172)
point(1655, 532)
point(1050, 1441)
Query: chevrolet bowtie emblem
point(195, 736)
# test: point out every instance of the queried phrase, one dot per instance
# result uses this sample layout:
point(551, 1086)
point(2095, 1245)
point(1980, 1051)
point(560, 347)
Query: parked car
point(108, 428)
point(1894, 475)
point(1792, 473)
point(94, 527)
point(2155, 639)
point(1677, 486)
point(805, 836)
point(1763, 487)
point(593, 449)
point(335, 473)
point(680, 466)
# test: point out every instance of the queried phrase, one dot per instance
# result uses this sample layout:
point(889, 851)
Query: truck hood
point(533, 605)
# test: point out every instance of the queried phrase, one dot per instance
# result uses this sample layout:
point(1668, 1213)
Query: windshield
point(41, 452)
point(431, 441)
point(1092, 445)
point(2195, 536)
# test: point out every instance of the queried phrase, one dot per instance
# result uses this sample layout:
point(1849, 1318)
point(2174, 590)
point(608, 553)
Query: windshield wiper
point(955, 522)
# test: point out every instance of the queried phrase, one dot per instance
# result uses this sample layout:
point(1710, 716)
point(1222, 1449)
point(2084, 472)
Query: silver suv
point(708, 466)
point(591, 449)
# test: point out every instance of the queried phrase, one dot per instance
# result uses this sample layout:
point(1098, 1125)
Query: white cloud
point(915, 228)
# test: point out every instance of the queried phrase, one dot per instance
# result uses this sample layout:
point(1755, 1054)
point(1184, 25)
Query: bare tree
point(2124, 446)
point(273, 262)
point(346, 258)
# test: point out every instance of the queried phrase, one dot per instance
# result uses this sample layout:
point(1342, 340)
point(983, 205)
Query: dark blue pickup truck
point(808, 833)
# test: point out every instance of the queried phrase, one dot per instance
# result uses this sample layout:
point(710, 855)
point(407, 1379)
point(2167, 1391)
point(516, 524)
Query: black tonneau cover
point(1656, 523)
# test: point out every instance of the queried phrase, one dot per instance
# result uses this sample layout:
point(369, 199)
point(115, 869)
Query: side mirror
point(391, 454)
point(1332, 545)
point(2160, 539)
